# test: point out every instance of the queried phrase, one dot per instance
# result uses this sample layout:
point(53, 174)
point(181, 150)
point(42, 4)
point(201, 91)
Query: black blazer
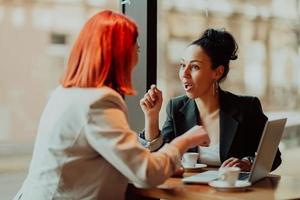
point(241, 124)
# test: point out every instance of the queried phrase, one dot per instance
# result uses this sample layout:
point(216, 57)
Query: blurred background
point(36, 37)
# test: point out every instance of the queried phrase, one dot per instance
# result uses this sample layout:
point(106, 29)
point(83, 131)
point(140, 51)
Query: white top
point(85, 149)
point(211, 155)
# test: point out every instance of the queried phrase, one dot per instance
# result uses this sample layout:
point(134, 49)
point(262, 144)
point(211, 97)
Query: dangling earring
point(215, 88)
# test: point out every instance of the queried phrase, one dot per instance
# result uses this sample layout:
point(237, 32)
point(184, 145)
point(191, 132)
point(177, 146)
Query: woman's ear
point(219, 71)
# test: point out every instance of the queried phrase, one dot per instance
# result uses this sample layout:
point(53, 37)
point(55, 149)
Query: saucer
point(222, 186)
point(196, 167)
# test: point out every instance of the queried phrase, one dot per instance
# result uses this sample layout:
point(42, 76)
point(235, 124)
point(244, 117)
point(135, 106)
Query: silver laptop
point(264, 158)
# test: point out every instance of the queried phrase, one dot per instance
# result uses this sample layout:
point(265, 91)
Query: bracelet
point(249, 158)
point(155, 144)
point(152, 145)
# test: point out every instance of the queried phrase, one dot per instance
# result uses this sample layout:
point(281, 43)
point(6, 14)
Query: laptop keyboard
point(244, 175)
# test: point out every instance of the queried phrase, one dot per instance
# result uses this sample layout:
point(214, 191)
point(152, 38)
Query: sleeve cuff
point(153, 145)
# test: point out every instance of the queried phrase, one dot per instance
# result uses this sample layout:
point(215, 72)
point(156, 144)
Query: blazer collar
point(227, 106)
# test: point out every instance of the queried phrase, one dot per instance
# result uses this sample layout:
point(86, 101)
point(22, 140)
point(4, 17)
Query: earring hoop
point(215, 88)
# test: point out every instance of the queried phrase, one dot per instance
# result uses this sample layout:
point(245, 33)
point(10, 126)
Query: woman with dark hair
point(234, 123)
point(85, 148)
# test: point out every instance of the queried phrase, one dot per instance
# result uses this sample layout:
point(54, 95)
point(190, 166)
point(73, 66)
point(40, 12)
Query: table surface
point(271, 187)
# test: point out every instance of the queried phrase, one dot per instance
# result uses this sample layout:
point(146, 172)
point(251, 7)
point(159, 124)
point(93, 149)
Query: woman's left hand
point(245, 165)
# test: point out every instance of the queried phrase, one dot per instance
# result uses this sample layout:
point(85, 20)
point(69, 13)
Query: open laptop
point(264, 158)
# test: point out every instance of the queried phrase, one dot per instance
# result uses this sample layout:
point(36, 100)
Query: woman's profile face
point(196, 74)
point(135, 54)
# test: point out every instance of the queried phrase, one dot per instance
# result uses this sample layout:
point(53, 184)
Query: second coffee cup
point(229, 175)
point(190, 159)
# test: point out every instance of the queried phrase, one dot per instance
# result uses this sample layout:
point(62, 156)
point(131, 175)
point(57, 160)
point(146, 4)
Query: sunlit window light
point(18, 17)
point(2, 12)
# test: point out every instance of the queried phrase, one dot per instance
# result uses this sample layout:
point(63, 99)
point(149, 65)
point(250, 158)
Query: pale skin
point(197, 78)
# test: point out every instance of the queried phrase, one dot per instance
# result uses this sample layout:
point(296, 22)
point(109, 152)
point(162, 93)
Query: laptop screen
point(267, 149)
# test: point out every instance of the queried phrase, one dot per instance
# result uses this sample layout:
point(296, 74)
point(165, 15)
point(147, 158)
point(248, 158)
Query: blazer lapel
point(190, 113)
point(228, 128)
point(190, 118)
point(228, 125)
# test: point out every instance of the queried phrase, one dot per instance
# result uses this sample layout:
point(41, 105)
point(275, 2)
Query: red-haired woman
point(85, 148)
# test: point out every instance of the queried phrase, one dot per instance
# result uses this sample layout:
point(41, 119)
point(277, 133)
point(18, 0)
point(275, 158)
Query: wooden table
point(271, 187)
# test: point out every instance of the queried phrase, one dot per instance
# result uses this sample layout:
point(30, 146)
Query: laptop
point(264, 156)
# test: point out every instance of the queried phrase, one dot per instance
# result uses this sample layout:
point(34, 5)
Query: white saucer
point(197, 166)
point(222, 186)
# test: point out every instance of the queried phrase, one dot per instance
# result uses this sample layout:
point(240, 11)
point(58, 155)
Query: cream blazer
point(85, 149)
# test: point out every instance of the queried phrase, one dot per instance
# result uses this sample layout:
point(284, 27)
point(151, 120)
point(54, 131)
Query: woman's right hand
point(151, 102)
point(193, 137)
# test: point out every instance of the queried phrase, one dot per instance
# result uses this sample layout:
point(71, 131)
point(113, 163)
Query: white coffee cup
point(229, 175)
point(189, 159)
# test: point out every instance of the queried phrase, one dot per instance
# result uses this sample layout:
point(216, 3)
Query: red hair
point(102, 54)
